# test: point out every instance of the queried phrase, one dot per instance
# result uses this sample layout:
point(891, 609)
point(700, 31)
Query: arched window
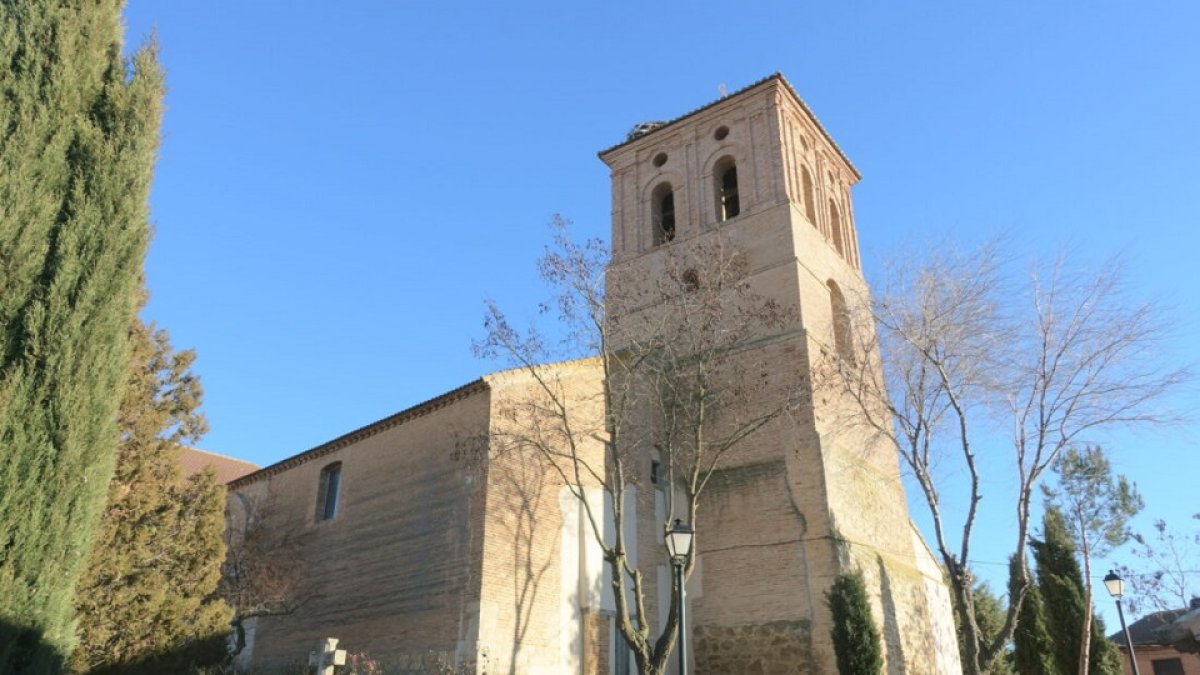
point(835, 228)
point(664, 214)
point(728, 203)
point(810, 205)
point(841, 322)
point(327, 491)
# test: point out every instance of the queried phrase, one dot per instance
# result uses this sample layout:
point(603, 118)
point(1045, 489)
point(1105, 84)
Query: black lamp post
point(679, 545)
point(1116, 588)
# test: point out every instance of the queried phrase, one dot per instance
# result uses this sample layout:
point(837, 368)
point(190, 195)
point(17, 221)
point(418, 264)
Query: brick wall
point(396, 570)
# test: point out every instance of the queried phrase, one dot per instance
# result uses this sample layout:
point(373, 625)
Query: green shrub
point(855, 637)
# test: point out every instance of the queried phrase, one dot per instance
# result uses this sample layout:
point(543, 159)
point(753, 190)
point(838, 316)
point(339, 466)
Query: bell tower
point(806, 502)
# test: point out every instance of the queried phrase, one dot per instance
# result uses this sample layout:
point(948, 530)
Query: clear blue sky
point(341, 185)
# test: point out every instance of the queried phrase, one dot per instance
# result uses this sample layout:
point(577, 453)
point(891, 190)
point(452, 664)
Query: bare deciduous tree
point(668, 349)
point(1167, 574)
point(263, 570)
point(963, 351)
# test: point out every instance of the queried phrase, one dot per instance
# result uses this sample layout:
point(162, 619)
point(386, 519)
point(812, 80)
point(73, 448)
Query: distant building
point(426, 549)
point(1164, 643)
point(195, 460)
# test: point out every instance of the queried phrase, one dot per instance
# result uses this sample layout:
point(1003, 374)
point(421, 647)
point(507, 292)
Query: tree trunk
point(1085, 640)
point(964, 605)
point(1085, 643)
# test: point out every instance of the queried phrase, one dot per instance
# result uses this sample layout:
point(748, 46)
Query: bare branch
point(666, 351)
point(944, 353)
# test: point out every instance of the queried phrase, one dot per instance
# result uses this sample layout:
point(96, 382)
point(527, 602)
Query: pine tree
point(147, 601)
point(1060, 583)
point(856, 640)
point(1097, 507)
point(79, 130)
point(1032, 645)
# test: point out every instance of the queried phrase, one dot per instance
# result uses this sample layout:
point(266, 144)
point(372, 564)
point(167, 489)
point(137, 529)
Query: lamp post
point(1116, 588)
point(679, 545)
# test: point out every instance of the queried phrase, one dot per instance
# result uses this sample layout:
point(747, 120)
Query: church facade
point(421, 544)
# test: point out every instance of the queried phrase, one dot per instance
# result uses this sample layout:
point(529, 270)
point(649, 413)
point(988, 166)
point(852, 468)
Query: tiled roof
point(194, 460)
point(1150, 629)
point(773, 76)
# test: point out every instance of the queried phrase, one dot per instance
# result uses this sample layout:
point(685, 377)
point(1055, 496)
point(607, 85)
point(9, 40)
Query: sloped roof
point(1161, 628)
point(195, 460)
point(787, 86)
point(378, 426)
point(360, 433)
point(1148, 629)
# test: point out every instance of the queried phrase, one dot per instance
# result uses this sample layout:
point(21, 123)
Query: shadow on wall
point(893, 642)
point(525, 492)
point(907, 609)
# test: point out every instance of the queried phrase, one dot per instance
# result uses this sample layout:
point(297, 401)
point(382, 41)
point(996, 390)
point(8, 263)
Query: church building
point(417, 540)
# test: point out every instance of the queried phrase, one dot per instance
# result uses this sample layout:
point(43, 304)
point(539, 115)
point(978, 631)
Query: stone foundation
point(775, 648)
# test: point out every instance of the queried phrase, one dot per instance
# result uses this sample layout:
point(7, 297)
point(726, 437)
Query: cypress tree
point(856, 640)
point(147, 600)
point(1060, 583)
point(78, 135)
point(1032, 644)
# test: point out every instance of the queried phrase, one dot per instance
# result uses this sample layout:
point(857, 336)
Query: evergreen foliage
point(1060, 583)
point(856, 639)
point(79, 129)
point(989, 616)
point(1096, 504)
point(1032, 643)
point(1097, 507)
point(148, 593)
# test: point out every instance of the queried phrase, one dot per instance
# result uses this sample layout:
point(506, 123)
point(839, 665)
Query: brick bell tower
point(802, 504)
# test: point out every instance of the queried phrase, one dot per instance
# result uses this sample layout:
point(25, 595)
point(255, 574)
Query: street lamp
point(1116, 588)
point(679, 545)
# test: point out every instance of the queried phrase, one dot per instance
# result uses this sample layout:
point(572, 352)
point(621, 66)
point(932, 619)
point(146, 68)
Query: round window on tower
point(660, 159)
point(721, 132)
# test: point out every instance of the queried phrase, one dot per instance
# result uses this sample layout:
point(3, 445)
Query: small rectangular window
point(655, 471)
point(327, 491)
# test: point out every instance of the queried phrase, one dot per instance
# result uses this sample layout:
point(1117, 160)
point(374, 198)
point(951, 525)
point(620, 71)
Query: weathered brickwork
point(407, 520)
point(599, 640)
point(775, 648)
point(810, 495)
point(428, 663)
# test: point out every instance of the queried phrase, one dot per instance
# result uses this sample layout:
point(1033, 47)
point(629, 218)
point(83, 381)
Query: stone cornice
point(777, 76)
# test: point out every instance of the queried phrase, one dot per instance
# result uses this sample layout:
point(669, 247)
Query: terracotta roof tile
point(194, 460)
